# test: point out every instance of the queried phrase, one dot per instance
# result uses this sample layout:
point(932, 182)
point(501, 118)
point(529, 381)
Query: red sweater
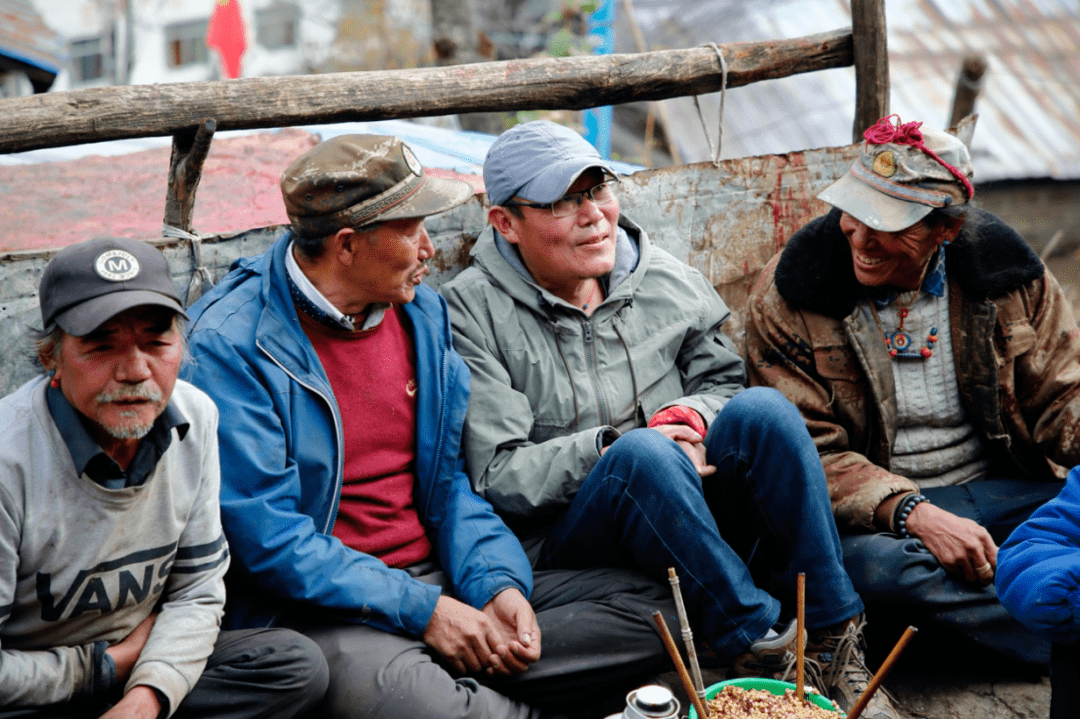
point(373, 375)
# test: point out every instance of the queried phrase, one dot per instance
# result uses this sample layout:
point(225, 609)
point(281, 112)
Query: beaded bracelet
point(903, 509)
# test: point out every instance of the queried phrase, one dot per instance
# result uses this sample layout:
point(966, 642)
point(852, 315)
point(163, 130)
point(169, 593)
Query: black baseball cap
point(85, 285)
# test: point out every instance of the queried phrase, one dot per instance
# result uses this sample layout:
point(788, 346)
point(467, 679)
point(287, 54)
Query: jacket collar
point(279, 331)
point(815, 271)
point(501, 262)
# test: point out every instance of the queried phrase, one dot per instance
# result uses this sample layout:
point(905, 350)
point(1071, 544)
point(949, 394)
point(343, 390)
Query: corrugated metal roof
point(1029, 107)
point(25, 38)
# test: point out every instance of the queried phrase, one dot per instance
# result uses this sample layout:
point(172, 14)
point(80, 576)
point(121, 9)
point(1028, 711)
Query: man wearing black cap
point(343, 492)
point(112, 557)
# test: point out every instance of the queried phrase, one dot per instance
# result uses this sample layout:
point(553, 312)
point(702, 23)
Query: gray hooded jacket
point(547, 379)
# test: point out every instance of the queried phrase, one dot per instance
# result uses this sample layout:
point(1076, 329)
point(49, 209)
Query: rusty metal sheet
point(727, 221)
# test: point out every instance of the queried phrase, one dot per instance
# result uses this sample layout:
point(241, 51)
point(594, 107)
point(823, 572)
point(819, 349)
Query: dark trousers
point(889, 569)
point(598, 640)
point(1065, 681)
point(251, 674)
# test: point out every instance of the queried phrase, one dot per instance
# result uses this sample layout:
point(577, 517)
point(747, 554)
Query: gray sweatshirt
point(81, 566)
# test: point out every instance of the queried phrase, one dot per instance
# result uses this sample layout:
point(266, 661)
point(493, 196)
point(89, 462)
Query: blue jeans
point(759, 521)
point(889, 568)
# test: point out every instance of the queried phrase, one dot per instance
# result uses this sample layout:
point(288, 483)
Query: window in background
point(89, 61)
point(185, 43)
point(276, 26)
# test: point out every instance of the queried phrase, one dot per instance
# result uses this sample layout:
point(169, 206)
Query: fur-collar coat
point(1015, 343)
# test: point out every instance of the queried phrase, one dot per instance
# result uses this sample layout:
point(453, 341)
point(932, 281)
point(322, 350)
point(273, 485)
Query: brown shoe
point(840, 652)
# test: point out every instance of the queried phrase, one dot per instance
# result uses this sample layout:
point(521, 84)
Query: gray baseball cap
point(537, 161)
point(87, 284)
point(893, 185)
point(360, 180)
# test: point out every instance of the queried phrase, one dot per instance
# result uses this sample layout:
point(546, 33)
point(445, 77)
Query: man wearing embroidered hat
point(937, 365)
point(609, 426)
point(343, 491)
point(112, 558)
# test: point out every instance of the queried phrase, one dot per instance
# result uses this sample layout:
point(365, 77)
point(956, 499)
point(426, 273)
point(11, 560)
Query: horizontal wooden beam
point(574, 83)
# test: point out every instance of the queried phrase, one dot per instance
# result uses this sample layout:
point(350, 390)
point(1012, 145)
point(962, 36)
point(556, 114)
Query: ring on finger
point(984, 570)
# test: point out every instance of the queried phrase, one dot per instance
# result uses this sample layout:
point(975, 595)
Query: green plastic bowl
point(770, 685)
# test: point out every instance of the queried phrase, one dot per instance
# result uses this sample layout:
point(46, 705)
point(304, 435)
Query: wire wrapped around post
point(687, 634)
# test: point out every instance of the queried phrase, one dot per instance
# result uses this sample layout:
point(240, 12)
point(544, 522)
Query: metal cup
point(651, 702)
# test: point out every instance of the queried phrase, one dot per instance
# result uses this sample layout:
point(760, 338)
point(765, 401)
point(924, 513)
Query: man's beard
point(135, 431)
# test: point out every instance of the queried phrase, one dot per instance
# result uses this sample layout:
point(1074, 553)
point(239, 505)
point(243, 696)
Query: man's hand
point(963, 547)
point(126, 652)
point(692, 443)
point(465, 637)
point(514, 617)
point(139, 703)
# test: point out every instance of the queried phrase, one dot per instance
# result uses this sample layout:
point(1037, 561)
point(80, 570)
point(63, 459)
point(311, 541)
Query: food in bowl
point(734, 702)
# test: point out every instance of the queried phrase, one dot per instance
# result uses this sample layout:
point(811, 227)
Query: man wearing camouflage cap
point(937, 365)
point(343, 492)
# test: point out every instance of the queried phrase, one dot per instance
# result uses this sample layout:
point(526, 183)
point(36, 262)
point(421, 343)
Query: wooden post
point(655, 108)
point(457, 41)
point(968, 86)
point(572, 83)
point(871, 64)
point(189, 152)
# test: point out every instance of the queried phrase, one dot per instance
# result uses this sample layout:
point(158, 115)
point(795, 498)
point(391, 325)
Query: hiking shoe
point(840, 653)
point(773, 658)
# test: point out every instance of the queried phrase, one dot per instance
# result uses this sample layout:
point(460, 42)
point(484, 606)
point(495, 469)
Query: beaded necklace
point(899, 342)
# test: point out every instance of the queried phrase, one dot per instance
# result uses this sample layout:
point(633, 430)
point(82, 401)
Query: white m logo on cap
point(116, 265)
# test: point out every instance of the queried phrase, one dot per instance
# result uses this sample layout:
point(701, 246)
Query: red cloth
point(373, 376)
point(679, 414)
point(226, 34)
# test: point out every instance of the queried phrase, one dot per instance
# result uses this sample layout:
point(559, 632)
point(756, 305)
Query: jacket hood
point(500, 262)
point(815, 271)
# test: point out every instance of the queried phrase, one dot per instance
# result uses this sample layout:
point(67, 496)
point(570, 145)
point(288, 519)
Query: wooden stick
point(676, 658)
point(968, 86)
point(189, 152)
point(94, 114)
point(800, 627)
point(882, 672)
point(655, 108)
point(871, 64)
point(687, 634)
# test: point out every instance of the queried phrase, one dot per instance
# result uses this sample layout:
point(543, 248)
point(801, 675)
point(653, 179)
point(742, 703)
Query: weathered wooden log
point(871, 60)
point(968, 86)
point(189, 152)
point(109, 113)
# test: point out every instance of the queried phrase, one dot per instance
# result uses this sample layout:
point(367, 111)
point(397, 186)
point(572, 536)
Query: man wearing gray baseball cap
point(112, 557)
point(937, 365)
point(344, 496)
point(610, 427)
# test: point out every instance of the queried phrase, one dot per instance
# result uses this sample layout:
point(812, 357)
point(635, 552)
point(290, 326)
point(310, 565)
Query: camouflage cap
point(360, 180)
point(903, 173)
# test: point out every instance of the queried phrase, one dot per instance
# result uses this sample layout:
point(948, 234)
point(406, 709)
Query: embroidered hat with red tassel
point(903, 173)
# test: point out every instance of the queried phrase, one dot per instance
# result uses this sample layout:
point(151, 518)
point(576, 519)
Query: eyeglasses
point(568, 204)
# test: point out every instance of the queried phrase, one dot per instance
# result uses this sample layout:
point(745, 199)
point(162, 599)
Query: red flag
point(226, 33)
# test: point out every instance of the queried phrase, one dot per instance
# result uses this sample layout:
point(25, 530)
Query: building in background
point(118, 42)
point(31, 54)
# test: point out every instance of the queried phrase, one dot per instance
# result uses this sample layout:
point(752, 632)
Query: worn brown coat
point(1015, 342)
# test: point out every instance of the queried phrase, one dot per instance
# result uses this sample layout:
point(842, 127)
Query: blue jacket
point(281, 465)
point(1038, 571)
